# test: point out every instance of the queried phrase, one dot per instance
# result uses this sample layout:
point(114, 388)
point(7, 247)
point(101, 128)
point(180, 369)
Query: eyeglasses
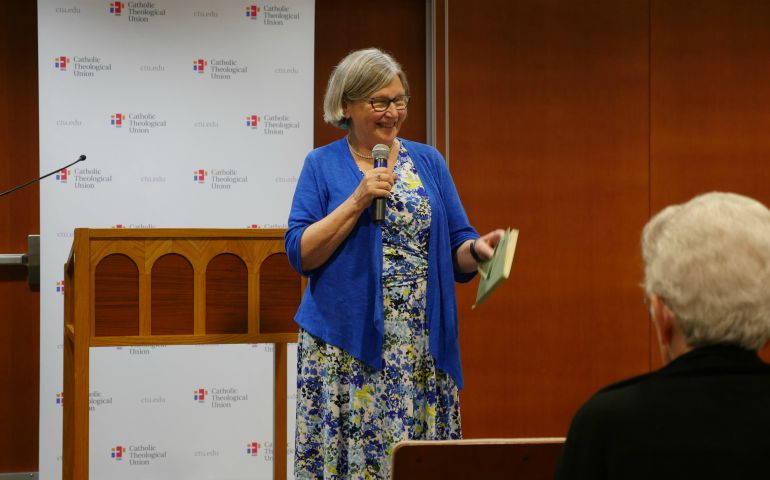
point(380, 104)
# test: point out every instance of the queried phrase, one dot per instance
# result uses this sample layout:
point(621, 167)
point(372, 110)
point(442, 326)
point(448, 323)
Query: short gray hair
point(356, 76)
point(709, 260)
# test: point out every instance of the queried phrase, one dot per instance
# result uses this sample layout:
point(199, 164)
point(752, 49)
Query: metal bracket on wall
point(31, 259)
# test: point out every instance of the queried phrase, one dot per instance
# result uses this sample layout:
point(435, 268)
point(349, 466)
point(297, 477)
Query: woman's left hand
point(483, 247)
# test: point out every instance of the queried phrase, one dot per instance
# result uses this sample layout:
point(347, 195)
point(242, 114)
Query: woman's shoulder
point(328, 151)
point(328, 159)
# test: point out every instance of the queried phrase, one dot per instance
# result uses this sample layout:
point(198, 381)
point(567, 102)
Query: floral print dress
point(349, 416)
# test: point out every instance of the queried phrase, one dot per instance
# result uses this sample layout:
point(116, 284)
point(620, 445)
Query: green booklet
point(498, 268)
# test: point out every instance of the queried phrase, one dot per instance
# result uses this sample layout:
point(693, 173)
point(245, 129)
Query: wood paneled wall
point(709, 101)
point(397, 27)
point(572, 121)
point(20, 316)
point(548, 132)
point(575, 121)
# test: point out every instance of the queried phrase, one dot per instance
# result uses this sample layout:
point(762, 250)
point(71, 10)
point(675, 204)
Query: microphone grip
point(379, 210)
point(379, 203)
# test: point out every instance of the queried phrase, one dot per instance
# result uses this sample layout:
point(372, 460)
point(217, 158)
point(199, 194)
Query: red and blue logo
point(116, 8)
point(60, 287)
point(252, 11)
point(116, 120)
point(119, 225)
point(61, 63)
point(252, 121)
point(253, 225)
point(252, 448)
point(200, 65)
point(60, 398)
point(199, 395)
point(63, 175)
point(117, 453)
point(200, 176)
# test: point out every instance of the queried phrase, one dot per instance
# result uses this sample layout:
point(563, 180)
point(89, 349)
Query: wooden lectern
point(509, 458)
point(173, 287)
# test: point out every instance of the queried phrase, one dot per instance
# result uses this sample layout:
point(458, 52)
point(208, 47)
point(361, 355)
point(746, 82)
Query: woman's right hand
point(375, 183)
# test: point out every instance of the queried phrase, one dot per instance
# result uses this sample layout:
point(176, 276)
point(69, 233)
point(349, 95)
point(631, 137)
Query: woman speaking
point(378, 356)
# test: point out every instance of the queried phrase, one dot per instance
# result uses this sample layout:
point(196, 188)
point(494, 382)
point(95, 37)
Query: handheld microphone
point(80, 159)
point(380, 154)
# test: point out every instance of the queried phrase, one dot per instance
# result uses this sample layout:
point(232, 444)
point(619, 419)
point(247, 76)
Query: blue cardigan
point(343, 304)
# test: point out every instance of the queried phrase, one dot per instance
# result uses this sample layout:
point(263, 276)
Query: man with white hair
point(706, 413)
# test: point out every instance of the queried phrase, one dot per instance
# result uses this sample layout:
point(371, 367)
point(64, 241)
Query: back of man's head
point(709, 261)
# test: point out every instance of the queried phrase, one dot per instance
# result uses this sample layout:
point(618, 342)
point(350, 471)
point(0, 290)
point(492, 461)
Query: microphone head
point(81, 158)
point(380, 153)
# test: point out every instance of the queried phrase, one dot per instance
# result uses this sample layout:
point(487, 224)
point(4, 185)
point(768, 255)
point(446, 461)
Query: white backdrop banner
point(192, 114)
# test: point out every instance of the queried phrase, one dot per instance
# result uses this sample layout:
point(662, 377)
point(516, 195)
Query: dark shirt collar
point(722, 356)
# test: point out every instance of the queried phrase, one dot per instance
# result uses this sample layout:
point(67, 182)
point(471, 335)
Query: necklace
point(353, 150)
